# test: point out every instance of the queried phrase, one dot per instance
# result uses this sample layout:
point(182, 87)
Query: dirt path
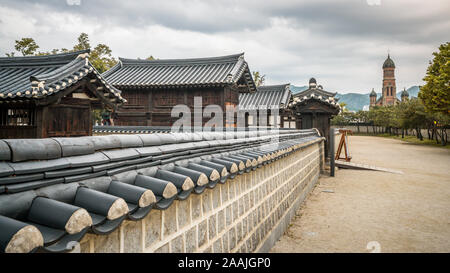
point(401, 213)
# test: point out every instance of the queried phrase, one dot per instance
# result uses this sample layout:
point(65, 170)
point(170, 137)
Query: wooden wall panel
point(72, 117)
point(155, 105)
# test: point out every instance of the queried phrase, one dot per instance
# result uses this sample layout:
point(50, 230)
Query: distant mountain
point(298, 89)
point(357, 101)
point(413, 92)
point(354, 101)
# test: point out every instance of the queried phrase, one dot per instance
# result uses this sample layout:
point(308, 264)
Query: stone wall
point(246, 214)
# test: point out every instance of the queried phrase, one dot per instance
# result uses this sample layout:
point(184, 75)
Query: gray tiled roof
point(212, 71)
point(35, 77)
point(316, 92)
point(270, 96)
point(330, 101)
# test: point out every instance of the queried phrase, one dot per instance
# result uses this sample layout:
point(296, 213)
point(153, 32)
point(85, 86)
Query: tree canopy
point(258, 78)
point(100, 56)
point(26, 46)
point(435, 94)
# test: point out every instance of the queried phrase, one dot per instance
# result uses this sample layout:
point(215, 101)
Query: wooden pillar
point(41, 122)
point(150, 108)
point(331, 151)
point(90, 121)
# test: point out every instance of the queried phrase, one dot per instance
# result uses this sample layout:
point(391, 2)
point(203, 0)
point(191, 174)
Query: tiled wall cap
point(18, 237)
point(129, 141)
point(166, 138)
point(5, 152)
point(71, 146)
point(105, 142)
point(150, 139)
point(34, 149)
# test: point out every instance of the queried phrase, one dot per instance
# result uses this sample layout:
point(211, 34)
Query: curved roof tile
point(267, 97)
point(36, 77)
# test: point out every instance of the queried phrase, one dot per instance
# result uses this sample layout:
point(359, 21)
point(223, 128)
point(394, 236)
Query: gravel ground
point(370, 211)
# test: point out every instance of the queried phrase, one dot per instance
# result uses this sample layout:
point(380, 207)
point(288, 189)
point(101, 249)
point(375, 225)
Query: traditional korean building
point(52, 95)
point(153, 88)
point(274, 101)
point(314, 108)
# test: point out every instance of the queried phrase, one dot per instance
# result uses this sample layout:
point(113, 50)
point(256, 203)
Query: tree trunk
point(437, 135)
point(444, 139)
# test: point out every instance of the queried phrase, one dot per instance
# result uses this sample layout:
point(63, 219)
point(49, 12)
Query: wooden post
point(331, 152)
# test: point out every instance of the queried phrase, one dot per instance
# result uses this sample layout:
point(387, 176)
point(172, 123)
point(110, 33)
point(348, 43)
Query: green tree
point(362, 116)
point(344, 118)
point(414, 116)
point(83, 42)
point(343, 106)
point(258, 78)
point(26, 46)
point(339, 119)
point(97, 116)
point(382, 116)
point(435, 94)
point(101, 58)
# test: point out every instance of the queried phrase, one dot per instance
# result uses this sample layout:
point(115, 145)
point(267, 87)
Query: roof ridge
point(114, 68)
point(40, 60)
point(226, 58)
point(64, 70)
point(238, 69)
point(272, 86)
point(328, 93)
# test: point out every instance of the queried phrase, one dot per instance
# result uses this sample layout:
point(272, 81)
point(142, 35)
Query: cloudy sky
point(342, 43)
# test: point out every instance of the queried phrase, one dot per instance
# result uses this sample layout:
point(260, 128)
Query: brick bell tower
point(373, 98)
point(389, 88)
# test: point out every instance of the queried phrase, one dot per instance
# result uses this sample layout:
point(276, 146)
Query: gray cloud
point(411, 20)
point(342, 43)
